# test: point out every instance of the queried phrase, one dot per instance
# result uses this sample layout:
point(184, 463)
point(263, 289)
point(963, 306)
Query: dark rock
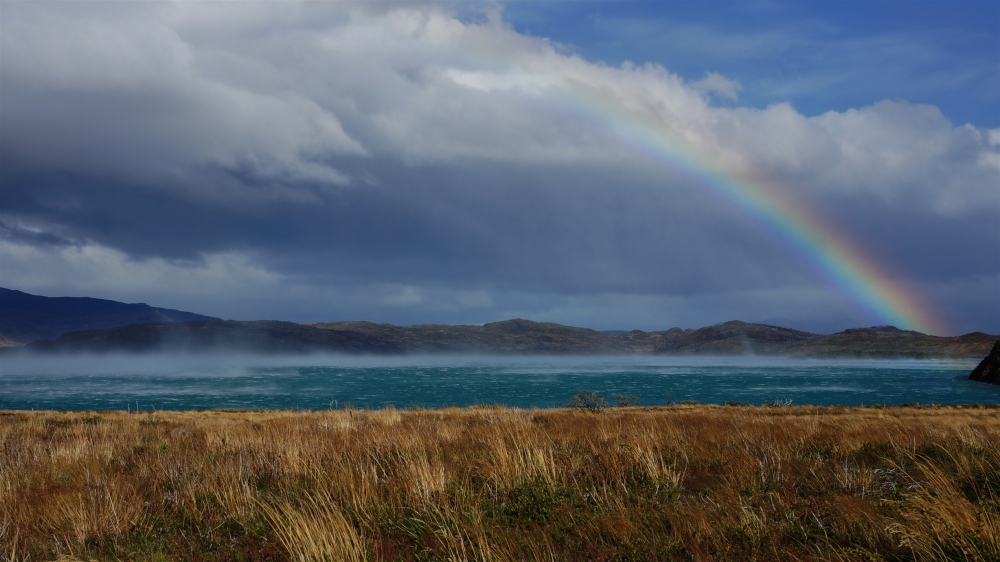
point(988, 370)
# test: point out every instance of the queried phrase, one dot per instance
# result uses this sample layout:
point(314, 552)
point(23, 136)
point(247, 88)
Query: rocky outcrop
point(988, 370)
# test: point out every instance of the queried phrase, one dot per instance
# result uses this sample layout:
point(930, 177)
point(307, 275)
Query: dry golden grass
point(491, 483)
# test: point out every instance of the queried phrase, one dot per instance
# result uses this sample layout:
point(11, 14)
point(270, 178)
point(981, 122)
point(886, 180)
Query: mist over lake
point(175, 382)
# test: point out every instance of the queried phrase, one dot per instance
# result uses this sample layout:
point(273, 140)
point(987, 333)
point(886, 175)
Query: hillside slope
point(261, 336)
point(889, 341)
point(25, 318)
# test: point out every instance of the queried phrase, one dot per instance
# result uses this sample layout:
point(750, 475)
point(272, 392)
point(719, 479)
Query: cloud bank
point(398, 162)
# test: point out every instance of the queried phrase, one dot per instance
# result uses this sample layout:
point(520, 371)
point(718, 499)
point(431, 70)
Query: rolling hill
point(512, 336)
point(25, 318)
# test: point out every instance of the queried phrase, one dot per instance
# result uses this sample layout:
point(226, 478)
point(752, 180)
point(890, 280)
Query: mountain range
point(70, 324)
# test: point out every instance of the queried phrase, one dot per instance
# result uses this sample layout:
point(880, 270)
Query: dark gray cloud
point(18, 234)
point(395, 163)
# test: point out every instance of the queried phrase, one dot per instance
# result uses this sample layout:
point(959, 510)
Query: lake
point(317, 382)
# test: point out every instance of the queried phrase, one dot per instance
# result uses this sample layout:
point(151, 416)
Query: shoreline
point(610, 409)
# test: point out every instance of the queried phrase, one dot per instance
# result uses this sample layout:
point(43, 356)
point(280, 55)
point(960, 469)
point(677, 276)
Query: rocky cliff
point(988, 370)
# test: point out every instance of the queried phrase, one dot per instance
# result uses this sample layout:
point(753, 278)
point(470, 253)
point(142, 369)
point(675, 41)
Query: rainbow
point(872, 290)
point(855, 275)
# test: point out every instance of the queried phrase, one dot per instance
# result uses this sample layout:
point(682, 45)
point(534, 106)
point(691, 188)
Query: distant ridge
point(25, 318)
point(80, 324)
point(512, 336)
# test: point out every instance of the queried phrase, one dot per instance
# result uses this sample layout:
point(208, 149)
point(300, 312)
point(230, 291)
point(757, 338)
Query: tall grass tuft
point(316, 531)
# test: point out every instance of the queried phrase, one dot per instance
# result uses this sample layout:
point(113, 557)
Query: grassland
point(491, 483)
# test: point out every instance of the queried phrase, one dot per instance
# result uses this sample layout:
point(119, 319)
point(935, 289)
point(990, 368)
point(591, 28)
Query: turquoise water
point(317, 382)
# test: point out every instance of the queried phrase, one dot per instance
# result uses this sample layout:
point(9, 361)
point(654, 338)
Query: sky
point(613, 165)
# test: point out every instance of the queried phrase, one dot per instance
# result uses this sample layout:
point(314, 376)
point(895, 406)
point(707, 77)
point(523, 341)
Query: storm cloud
point(407, 163)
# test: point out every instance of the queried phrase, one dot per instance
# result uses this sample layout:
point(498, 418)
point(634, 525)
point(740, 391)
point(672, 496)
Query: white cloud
point(92, 269)
point(119, 91)
point(715, 83)
point(991, 159)
point(164, 92)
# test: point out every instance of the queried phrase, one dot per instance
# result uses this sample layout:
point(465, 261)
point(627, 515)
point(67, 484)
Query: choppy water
point(314, 382)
